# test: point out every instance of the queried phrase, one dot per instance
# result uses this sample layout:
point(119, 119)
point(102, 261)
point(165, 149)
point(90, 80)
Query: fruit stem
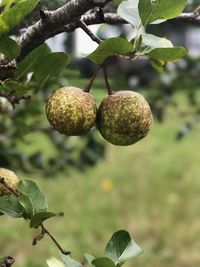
point(90, 83)
point(109, 89)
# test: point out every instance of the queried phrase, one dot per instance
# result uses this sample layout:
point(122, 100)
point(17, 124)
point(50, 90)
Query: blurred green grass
point(150, 189)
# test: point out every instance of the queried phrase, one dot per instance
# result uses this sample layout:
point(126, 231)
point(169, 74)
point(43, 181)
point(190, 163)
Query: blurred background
point(150, 189)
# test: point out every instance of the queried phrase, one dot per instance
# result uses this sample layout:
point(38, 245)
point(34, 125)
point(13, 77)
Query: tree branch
point(42, 30)
point(12, 98)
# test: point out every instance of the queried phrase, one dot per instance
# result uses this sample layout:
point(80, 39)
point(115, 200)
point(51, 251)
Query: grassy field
point(150, 189)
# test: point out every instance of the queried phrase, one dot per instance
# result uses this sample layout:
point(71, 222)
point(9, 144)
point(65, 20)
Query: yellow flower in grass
point(106, 185)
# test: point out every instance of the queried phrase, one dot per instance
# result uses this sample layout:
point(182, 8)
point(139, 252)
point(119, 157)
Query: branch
point(12, 98)
point(50, 21)
point(44, 230)
point(85, 28)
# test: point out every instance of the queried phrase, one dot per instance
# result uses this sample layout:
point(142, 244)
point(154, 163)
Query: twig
point(84, 27)
point(45, 231)
point(13, 99)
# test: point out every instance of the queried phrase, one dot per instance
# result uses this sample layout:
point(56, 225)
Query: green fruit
point(124, 118)
point(71, 111)
point(10, 178)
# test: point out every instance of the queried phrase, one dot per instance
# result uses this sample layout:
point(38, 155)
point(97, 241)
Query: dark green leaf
point(10, 205)
point(121, 247)
point(9, 47)
point(39, 218)
point(49, 66)
point(14, 15)
point(109, 47)
point(151, 11)
point(128, 10)
point(103, 262)
point(27, 64)
point(69, 262)
point(168, 54)
point(29, 189)
point(15, 87)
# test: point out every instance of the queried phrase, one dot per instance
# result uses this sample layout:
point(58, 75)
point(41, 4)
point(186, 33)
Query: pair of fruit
point(123, 118)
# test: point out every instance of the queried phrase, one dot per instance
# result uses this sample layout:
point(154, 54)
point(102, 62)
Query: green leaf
point(14, 15)
point(109, 47)
point(9, 47)
point(152, 10)
point(168, 54)
point(69, 262)
point(50, 65)
point(29, 189)
point(89, 258)
point(16, 87)
point(128, 10)
point(39, 218)
point(150, 42)
point(27, 205)
point(10, 205)
point(27, 64)
point(121, 248)
point(158, 65)
point(103, 262)
point(53, 262)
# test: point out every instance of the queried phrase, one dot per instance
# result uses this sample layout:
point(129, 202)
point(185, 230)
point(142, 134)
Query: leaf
point(158, 65)
point(39, 218)
point(103, 262)
point(15, 87)
point(50, 65)
point(109, 47)
point(128, 10)
point(152, 10)
point(69, 262)
point(29, 189)
point(150, 42)
point(168, 54)
point(14, 15)
point(27, 64)
point(27, 205)
point(10, 205)
point(89, 258)
point(9, 47)
point(53, 262)
point(121, 248)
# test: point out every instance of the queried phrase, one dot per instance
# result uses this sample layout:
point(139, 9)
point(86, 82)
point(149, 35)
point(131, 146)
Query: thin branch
point(13, 99)
point(85, 28)
point(44, 230)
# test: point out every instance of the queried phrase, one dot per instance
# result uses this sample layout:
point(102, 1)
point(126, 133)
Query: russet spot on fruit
point(124, 118)
point(10, 178)
point(71, 111)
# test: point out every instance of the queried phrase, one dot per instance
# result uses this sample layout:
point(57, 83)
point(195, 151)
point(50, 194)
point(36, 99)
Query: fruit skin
point(71, 111)
point(10, 178)
point(124, 118)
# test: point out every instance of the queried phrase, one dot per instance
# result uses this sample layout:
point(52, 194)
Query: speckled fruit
point(10, 178)
point(71, 111)
point(124, 118)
